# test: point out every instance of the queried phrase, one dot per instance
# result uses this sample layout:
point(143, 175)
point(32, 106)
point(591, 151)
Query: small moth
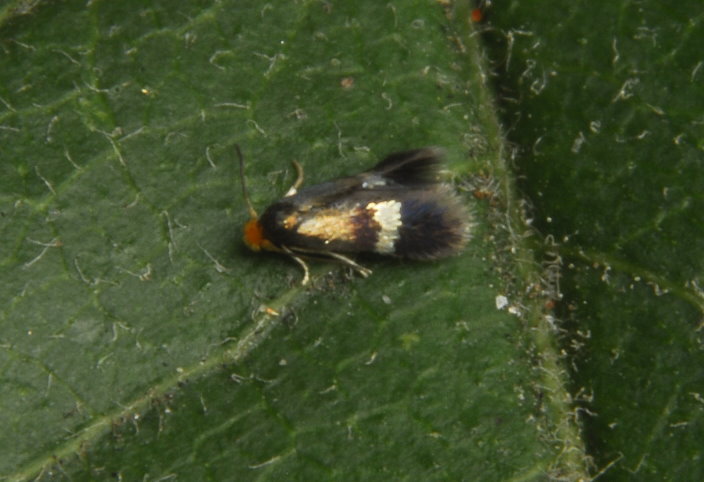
point(397, 208)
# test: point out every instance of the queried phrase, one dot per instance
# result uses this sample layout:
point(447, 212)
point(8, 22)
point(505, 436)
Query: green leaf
point(140, 339)
point(606, 105)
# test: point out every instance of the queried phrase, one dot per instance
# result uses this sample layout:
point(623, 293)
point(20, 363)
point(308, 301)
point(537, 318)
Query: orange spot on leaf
point(477, 15)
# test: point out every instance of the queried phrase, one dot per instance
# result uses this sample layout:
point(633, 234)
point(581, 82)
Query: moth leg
point(301, 263)
point(299, 179)
point(365, 272)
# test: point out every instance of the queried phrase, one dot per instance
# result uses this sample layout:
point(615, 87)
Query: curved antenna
point(299, 179)
point(245, 194)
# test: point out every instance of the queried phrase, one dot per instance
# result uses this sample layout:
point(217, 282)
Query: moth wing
point(416, 223)
point(435, 224)
point(327, 193)
point(416, 167)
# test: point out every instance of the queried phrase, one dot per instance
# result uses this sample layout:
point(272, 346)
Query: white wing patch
point(388, 215)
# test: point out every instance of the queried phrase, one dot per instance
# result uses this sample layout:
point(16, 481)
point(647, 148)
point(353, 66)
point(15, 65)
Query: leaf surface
point(141, 340)
point(606, 105)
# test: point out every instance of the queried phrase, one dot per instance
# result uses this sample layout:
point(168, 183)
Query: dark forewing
point(398, 208)
point(434, 224)
point(411, 168)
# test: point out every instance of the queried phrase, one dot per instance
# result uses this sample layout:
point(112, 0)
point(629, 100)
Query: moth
point(398, 208)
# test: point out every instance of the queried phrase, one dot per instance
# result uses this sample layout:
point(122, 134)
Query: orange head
point(253, 231)
point(254, 237)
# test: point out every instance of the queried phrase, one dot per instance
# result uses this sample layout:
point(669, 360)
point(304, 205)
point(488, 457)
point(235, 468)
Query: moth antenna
point(245, 193)
point(299, 179)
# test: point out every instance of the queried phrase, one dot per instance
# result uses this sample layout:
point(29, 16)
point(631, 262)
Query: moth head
point(253, 235)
